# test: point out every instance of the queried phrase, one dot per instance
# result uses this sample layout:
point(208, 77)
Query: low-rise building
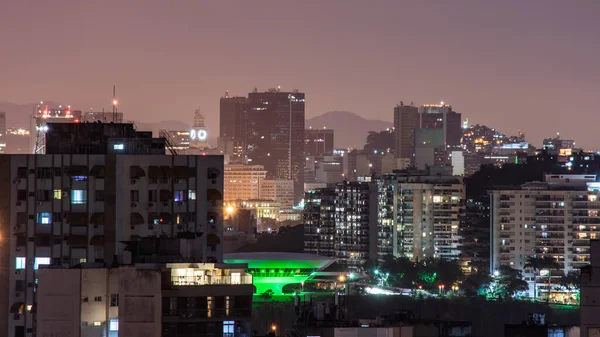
point(145, 300)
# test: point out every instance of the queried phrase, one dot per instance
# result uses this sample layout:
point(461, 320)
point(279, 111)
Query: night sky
point(529, 65)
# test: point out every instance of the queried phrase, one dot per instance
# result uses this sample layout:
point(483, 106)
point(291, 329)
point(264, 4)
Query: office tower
point(280, 190)
point(275, 135)
point(241, 182)
point(40, 119)
point(180, 140)
point(232, 124)
point(319, 142)
point(78, 203)
point(441, 116)
point(556, 218)
point(406, 121)
point(199, 133)
point(3, 132)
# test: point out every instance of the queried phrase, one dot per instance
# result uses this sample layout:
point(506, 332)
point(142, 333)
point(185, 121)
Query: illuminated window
point(592, 197)
point(228, 328)
point(192, 195)
point(113, 324)
point(20, 263)
point(437, 198)
point(57, 194)
point(78, 197)
point(97, 323)
point(178, 196)
point(118, 147)
point(44, 218)
point(41, 261)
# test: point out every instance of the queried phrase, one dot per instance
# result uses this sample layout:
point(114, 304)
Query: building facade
point(242, 182)
point(319, 142)
point(406, 121)
point(275, 135)
point(65, 208)
point(280, 190)
point(145, 300)
point(415, 215)
point(232, 125)
point(556, 218)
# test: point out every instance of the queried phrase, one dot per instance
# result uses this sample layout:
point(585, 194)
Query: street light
point(341, 278)
point(230, 209)
point(273, 327)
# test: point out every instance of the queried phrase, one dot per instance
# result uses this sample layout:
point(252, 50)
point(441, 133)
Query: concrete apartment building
point(556, 217)
point(145, 300)
point(91, 199)
point(412, 214)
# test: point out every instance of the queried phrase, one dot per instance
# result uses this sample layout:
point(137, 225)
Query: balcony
point(191, 314)
point(211, 280)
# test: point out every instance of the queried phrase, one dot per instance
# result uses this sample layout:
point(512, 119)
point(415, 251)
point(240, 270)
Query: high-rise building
point(406, 121)
point(232, 133)
point(241, 182)
point(77, 204)
point(275, 135)
point(319, 142)
point(441, 116)
point(280, 190)
point(557, 218)
point(411, 214)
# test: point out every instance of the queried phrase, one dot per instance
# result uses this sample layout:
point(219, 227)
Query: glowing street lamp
point(230, 209)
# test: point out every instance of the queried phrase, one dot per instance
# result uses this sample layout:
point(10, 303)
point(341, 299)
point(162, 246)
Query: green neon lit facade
point(275, 270)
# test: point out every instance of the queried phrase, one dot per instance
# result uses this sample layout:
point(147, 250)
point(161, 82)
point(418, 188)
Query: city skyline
point(165, 60)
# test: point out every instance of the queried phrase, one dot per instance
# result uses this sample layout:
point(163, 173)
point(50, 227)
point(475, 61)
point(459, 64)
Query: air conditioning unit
point(166, 204)
point(133, 181)
point(17, 181)
point(19, 250)
point(65, 194)
point(150, 204)
point(180, 227)
point(180, 203)
point(132, 227)
point(18, 203)
point(95, 226)
point(31, 217)
point(133, 204)
point(150, 227)
point(18, 272)
point(40, 203)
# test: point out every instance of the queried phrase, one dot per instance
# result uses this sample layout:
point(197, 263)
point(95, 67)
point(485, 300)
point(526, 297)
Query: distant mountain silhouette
point(350, 129)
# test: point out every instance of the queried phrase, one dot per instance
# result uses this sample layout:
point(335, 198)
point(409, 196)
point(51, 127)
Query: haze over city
point(511, 64)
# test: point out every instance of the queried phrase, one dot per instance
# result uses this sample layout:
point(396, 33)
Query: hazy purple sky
point(529, 64)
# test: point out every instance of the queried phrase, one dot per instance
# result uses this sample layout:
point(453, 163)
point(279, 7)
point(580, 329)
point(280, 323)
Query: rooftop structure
point(272, 271)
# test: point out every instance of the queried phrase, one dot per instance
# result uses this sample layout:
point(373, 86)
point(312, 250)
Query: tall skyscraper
point(232, 125)
point(275, 135)
point(319, 142)
point(406, 121)
point(441, 116)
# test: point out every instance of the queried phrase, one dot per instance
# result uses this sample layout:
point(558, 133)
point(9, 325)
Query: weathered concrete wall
point(140, 303)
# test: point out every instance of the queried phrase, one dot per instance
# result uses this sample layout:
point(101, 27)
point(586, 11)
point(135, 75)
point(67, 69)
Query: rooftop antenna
point(114, 104)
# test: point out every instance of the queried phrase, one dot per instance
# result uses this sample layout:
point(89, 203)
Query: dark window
point(99, 195)
point(21, 195)
point(114, 300)
point(152, 196)
point(22, 172)
point(134, 195)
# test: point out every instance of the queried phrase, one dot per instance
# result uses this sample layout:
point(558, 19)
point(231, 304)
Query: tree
point(476, 283)
point(379, 141)
point(507, 282)
point(537, 264)
point(571, 281)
